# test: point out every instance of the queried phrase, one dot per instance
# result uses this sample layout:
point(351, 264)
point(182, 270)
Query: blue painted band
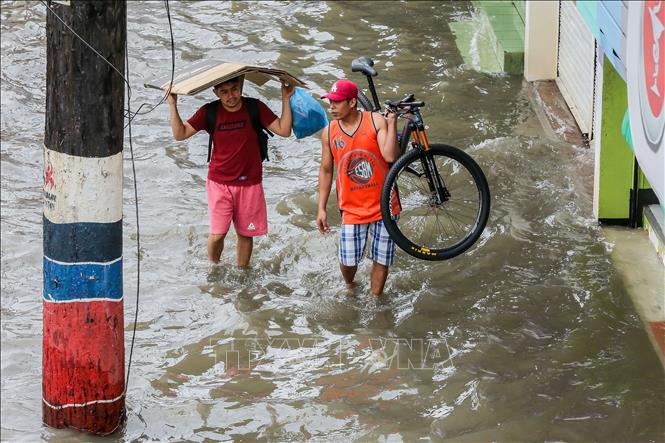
point(86, 281)
point(82, 242)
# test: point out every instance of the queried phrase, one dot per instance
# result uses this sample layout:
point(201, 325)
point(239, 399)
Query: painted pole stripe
point(84, 300)
point(83, 262)
point(80, 405)
point(101, 418)
point(81, 189)
point(82, 281)
point(90, 359)
point(83, 242)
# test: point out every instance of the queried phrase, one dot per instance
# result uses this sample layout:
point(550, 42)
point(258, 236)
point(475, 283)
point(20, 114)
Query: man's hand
point(172, 99)
point(322, 221)
point(391, 118)
point(287, 90)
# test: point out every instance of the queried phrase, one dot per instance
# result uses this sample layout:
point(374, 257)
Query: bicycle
point(442, 194)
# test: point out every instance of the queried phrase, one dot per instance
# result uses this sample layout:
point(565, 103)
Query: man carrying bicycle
point(359, 146)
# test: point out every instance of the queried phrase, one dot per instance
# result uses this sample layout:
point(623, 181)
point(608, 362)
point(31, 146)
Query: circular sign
point(651, 77)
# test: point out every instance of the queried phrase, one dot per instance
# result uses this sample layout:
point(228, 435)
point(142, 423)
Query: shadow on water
point(528, 336)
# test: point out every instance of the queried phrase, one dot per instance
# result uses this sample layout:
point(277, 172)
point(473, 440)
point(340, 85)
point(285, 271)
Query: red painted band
point(99, 418)
point(83, 358)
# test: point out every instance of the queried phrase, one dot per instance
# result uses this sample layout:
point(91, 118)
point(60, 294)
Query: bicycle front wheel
point(425, 227)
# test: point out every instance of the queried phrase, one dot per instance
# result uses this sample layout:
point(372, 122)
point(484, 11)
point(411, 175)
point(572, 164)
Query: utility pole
point(83, 378)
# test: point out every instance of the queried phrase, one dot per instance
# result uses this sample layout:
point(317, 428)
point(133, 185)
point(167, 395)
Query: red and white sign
point(645, 72)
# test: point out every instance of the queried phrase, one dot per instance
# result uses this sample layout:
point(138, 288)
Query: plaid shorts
point(354, 238)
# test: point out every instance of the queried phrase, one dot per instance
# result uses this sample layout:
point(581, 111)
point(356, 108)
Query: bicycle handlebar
point(406, 103)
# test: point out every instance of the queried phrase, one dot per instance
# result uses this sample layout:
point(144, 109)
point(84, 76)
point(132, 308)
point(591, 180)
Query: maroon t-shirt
point(236, 159)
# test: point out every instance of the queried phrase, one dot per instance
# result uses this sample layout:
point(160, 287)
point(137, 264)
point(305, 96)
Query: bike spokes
point(440, 201)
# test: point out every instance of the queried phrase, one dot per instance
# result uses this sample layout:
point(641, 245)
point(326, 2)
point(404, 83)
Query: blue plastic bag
point(308, 114)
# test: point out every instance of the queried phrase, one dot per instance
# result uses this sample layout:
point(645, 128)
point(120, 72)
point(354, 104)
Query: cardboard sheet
point(206, 74)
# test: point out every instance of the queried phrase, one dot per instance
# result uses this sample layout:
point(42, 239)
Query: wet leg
point(215, 246)
point(379, 276)
point(349, 273)
point(244, 248)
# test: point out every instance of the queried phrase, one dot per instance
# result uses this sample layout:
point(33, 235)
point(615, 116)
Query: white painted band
point(79, 405)
point(83, 300)
point(81, 189)
point(64, 263)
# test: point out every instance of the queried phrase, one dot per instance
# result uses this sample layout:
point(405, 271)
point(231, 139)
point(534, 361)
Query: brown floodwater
point(529, 336)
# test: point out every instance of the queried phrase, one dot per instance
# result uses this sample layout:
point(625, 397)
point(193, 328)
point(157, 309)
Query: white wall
point(541, 38)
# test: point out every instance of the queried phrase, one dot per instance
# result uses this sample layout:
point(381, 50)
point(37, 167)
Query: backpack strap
point(261, 131)
point(253, 109)
point(211, 120)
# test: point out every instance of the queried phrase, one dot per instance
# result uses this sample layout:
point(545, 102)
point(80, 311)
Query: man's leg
point(349, 273)
point(351, 248)
point(215, 246)
point(220, 211)
point(379, 276)
point(382, 253)
point(250, 219)
point(244, 249)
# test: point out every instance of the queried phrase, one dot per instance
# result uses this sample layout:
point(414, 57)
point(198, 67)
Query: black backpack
point(262, 132)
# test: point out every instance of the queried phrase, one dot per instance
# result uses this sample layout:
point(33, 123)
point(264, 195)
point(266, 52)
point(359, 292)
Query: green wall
point(616, 157)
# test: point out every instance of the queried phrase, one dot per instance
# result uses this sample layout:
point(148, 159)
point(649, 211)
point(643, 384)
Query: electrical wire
point(168, 91)
point(138, 237)
point(129, 115)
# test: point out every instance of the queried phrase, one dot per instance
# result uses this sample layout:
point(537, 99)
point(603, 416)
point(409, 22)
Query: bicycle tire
point(426, 230)
point(364, 101)
point(404, 137)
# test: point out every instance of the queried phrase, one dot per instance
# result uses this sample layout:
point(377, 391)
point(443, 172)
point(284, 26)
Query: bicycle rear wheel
point(364, 101)
point(423, 228)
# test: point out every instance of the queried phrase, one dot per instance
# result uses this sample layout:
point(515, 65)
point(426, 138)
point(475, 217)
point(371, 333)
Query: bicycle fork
point(438, 191)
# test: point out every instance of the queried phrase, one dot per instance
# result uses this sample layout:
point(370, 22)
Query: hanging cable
point(138, 236)
point(130, 116)
point(168, 91)
point(85, 42)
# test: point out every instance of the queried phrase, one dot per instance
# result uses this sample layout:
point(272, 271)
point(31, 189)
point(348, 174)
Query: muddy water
point(528, 337)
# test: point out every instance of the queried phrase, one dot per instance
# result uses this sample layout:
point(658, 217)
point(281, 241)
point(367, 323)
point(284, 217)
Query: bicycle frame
point(414, 126)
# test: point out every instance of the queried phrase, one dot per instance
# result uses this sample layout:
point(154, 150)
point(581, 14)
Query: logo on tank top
point(359, 168)
point(339, 143)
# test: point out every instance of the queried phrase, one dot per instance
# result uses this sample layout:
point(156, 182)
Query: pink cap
point(342, 90)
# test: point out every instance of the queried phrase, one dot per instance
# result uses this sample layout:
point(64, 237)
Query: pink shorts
point(244, 205)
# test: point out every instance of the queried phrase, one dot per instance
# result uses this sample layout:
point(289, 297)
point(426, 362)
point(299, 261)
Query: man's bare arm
point(282, 125)
point(181, 131)
point(325, 183)
point(387, 136)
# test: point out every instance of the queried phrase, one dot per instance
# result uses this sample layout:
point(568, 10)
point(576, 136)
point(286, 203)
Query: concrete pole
point(83, 377)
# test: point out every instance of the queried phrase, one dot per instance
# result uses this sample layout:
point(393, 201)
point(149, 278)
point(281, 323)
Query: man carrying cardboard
point(234, 184)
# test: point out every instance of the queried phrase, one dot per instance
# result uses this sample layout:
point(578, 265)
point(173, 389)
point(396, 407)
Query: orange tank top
point(361, 170)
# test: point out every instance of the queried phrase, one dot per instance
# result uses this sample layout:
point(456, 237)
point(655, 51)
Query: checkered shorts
point(354, 238)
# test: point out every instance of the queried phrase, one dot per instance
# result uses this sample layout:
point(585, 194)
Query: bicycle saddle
point(364, 65)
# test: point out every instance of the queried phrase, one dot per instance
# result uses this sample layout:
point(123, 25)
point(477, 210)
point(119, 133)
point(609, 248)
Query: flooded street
point(529, 336)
